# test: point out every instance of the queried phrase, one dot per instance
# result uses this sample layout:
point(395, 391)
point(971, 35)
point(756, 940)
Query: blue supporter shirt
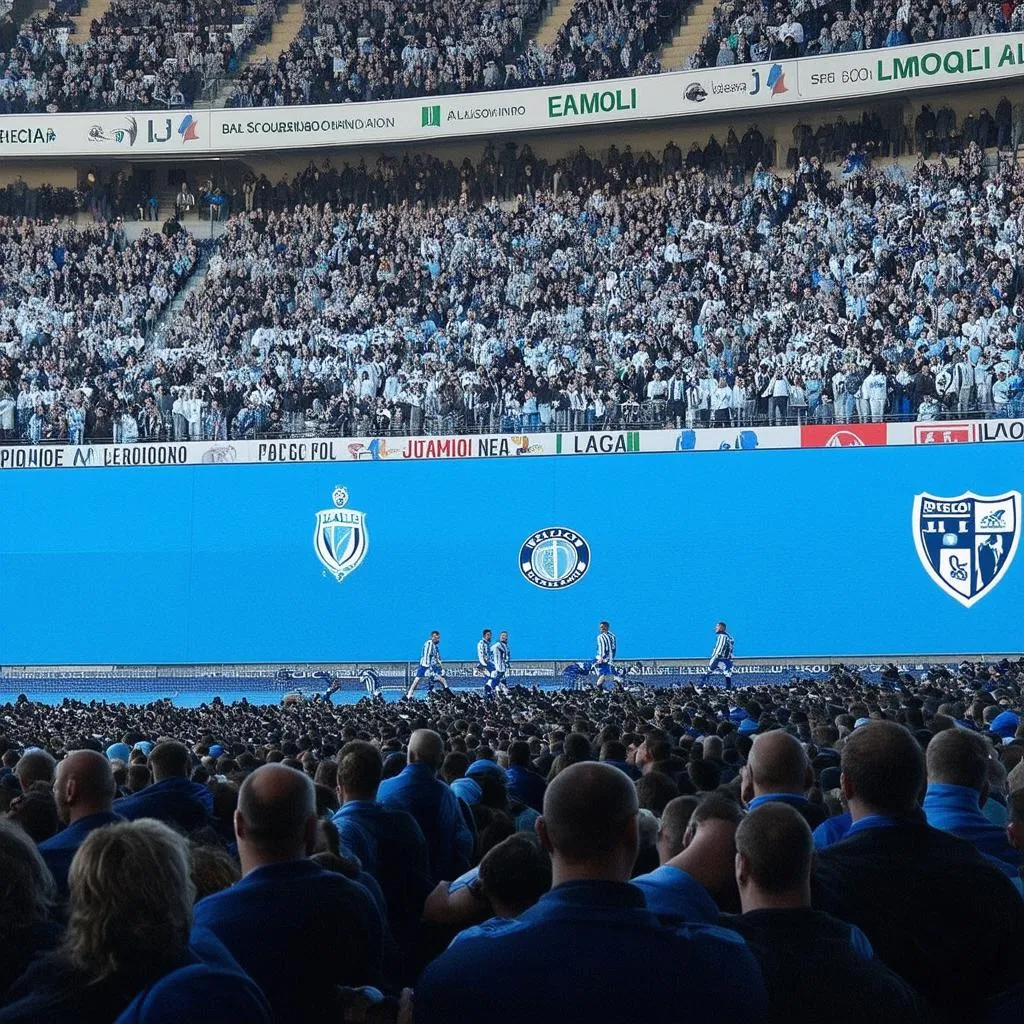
point(562, 952)
point(675, 896)
point(832, 830)
point(955, 809)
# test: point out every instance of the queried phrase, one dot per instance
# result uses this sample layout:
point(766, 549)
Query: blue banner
point(816, 552)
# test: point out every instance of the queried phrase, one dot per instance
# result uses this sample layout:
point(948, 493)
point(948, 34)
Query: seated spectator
point(885, 877)
point(513, 876)
point(35, 766)
point(589, 827)
point(130, 914)
point(778, 770)
point(815, 967)
point(298, 930)
point(695, 883)
point(171, 797)
point(957, 763)
point(27, 895)
point(389, 842)
point(84, 791)
point(523, 782)
point(418, 791)
point(36, 812)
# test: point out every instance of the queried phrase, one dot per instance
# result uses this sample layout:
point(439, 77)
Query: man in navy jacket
point(564, 944)
point(172, 798)
point(418, 790)
point(389, 842)
point(84, 789)
point(524, 783)
point(297, 930)
point(935, 910)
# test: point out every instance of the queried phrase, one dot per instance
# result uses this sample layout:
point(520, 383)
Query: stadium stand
point(138, 56)
point(520, 293)
point(741, 33)
point(285, 795)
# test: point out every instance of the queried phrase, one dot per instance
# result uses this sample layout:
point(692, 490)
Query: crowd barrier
point(741, 89)
point(503, 446)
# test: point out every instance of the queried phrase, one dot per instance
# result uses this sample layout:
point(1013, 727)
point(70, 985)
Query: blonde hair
point(131, 900)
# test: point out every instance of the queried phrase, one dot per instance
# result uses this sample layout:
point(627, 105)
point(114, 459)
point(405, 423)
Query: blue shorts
point(721, 665)
point(604, 669)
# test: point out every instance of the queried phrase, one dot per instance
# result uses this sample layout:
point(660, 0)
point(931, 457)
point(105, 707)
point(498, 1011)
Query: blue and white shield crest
point(967, 543)
point(341, 539)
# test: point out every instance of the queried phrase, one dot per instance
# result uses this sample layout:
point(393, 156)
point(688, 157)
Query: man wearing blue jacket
point(295, 928)
point(957, 763)
point(389, 842)
point(418, 790)
point(84, 790)
point(565, 943)
point(172, 798)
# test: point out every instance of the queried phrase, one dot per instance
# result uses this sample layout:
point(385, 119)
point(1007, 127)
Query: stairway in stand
point(91, 12)
point(684, 43)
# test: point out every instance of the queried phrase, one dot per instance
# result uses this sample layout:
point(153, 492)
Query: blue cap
point(737, 714)
point(119, 751)
point(145, 746)
point(485, 767)
point(468, 790)
point(216, 750)
point(860, 722)
point(1005, 724)
point(747, 726)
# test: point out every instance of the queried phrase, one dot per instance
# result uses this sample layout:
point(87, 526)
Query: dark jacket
point(58, 851)
point(298, 931)
point(934, 909)
point(818, 968)
point(175, 801)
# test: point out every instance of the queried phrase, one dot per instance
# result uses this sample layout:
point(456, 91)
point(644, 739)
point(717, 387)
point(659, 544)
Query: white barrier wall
point(499, 446)
point(741, 88)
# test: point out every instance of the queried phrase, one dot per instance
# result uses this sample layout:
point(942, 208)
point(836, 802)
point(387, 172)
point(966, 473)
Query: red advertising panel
point(842, 435)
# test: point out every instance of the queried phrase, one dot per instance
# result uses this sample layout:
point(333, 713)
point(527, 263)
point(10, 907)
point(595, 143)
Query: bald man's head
point(276, 815)
point(427, 747)
point(777, 763)
point(84, 785)
point(590, 817)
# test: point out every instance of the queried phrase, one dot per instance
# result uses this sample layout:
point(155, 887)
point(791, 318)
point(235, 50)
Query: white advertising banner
point(741, 88)
point(393, 449)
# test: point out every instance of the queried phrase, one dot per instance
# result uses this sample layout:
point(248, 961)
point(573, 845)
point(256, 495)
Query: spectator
point(27, 895)
point(884, 876)
point(418, 791)
point(777, 770)
point(957, 763)
point(171, 797)
point(35, 766)
point(84, 790)
point(389, 842)
point(523, 782)
point(298, 930)
point(130, 913)
point(693, 884)
point(589, 827)
point(815, 966)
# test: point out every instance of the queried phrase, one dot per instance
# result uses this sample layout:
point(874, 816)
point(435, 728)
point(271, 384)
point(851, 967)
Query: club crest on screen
point(341, 540)
point(966, 543)
point(554, 558)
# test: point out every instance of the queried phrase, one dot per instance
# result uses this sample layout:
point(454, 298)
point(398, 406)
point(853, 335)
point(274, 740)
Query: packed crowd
point(676, 290)
point(744, 31)
point(160, 55)
point(141, 55)
point(345, 52)
point(74, 309)
point(408, 861)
